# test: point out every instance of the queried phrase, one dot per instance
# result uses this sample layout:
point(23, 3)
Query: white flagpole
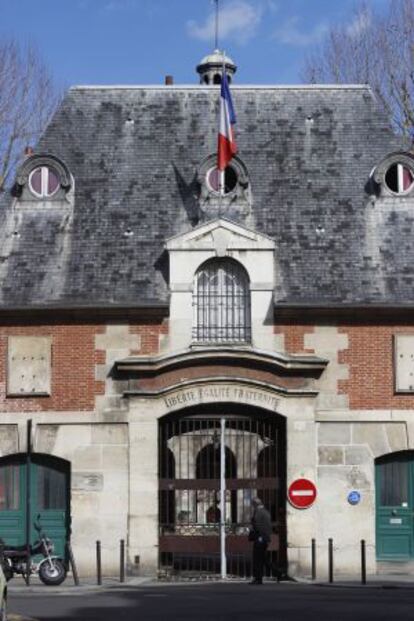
point(223, 498)
point(221, 190)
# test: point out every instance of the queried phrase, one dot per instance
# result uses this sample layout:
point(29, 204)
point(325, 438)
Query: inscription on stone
point(87, 481)
point(206, 394)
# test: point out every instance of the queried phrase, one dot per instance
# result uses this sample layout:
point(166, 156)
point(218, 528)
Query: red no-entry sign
point(302, 493)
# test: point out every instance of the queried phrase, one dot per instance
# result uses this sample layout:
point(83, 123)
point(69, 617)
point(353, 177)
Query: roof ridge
point(235, 87)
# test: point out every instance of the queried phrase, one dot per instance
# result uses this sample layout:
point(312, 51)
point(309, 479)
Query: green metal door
point(49, 498)
point(395, 506)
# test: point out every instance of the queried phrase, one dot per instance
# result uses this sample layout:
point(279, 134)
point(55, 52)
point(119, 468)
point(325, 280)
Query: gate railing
point(209, 471)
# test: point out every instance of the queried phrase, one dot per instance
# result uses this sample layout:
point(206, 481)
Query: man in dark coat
point(261, 534)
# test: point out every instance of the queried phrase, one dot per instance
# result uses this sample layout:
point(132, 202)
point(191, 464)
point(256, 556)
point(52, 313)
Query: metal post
point(330, 559)
point(98, 563)
point(72, 563)
point(28, 497)
point(122, 561)
point(223, 498)
point(313, 559)
point(217, 26)
point(363, 562)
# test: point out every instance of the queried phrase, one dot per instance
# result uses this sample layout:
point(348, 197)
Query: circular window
point(44, 181)
point(230, 179)
point(399, 178)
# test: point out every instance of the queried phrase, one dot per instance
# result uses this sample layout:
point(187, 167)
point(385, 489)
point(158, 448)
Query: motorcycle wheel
point(52, 575)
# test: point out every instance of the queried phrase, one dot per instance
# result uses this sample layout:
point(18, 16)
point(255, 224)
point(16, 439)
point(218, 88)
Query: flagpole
point(222, 172)
point(217, 26)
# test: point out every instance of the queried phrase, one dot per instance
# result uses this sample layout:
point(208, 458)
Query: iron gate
point(209, 469)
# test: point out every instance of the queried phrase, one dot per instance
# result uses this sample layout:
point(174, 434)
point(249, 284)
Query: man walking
point(260, 535)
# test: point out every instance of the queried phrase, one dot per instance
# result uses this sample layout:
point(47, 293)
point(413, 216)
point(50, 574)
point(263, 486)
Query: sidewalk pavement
point(17, 586)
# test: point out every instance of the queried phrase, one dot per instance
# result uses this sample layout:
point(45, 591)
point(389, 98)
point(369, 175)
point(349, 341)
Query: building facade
point(179, 352)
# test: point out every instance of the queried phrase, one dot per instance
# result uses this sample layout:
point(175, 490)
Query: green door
point(49, 497)
point(395, 506)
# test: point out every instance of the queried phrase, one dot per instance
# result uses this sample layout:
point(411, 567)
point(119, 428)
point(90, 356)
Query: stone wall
point(99, 457)
point(346, 462)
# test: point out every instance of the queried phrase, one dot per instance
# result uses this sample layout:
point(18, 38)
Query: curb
point(21, 590)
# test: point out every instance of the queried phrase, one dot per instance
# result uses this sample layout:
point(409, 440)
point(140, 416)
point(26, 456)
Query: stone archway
point(238, 381)
point(253, 439)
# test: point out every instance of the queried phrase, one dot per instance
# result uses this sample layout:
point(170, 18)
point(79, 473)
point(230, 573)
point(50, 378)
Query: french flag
point(227, 147)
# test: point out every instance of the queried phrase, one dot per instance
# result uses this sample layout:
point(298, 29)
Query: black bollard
point(330, 559)
point(98, 563)
point(313, 559)
point(363, 562)
point(122, 561)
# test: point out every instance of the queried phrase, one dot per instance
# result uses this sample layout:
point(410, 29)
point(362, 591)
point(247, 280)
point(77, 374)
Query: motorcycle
point(51, 569)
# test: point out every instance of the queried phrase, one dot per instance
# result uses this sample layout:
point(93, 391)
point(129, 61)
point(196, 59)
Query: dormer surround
point(220, 238)
point(43, 178)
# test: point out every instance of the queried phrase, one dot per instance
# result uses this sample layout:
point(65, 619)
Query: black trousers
point(259, 559)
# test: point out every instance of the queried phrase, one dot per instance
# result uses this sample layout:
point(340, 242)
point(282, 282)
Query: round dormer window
point(399, 178)
point(44, 181)
point(230, 180)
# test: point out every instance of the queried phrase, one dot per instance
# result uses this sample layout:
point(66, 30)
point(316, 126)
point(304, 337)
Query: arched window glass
point(43, 181)
point(221, 301)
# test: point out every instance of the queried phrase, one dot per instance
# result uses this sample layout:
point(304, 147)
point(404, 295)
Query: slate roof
point(134, 154)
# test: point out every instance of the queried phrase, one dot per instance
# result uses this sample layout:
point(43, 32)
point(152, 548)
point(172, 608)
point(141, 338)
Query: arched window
point(221, 300)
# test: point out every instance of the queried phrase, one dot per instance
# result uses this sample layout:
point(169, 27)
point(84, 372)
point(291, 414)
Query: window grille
point(221, 302)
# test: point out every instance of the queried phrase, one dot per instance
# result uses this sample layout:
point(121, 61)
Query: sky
point(141, 41)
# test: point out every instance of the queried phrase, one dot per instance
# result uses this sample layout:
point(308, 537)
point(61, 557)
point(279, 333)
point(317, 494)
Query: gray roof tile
point(134, 155)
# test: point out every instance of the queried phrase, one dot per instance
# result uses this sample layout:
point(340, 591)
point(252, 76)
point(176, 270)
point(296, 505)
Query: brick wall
point(150, 336)
point(369, 357)
point(74, 357)
point(294, 337)
point(371, 374)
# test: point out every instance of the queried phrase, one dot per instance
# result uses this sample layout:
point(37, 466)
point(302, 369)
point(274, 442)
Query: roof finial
point(216, 32)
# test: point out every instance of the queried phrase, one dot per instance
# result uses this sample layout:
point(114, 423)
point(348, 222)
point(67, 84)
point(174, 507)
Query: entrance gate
point(395, 506)
point(210, 468)
point(49, 498)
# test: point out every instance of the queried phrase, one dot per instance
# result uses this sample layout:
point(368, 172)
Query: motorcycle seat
point(15, 550)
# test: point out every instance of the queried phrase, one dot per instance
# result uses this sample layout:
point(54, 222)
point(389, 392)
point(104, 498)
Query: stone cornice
point(272, 361)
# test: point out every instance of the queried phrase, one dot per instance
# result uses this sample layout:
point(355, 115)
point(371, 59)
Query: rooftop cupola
point(210, 68)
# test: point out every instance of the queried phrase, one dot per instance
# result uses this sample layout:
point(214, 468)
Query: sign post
point(223, 498)
point(302, 493)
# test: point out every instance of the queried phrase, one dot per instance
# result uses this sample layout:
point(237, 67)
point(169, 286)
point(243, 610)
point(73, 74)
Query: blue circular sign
point(354, 497)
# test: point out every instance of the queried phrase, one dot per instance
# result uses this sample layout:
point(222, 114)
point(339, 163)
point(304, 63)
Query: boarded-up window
point(29, 365)
point(404, 362)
